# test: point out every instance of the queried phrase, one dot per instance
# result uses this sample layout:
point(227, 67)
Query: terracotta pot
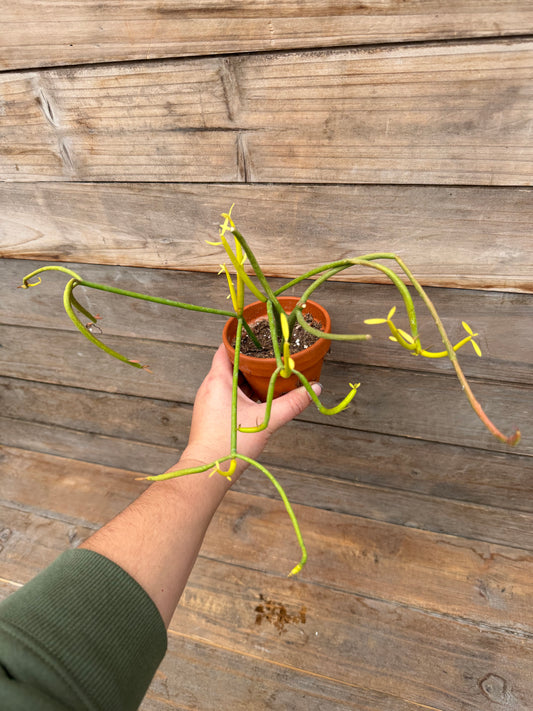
point(257, 371)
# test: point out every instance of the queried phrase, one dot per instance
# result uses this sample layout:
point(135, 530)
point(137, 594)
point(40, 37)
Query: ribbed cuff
point(84, 630)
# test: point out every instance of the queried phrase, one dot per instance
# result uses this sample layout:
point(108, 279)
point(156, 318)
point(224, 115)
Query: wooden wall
point(338, 129)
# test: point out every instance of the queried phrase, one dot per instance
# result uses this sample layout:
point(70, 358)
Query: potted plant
point(275, 325)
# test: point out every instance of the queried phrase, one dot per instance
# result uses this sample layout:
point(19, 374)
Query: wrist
point(199, 491)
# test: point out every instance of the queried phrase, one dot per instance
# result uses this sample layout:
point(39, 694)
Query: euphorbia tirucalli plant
point(282, 325)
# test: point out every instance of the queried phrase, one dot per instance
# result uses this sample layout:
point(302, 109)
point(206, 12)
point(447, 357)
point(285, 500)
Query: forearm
point(157, 538)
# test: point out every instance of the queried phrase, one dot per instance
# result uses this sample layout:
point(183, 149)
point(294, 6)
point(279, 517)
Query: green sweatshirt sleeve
point(81, 635)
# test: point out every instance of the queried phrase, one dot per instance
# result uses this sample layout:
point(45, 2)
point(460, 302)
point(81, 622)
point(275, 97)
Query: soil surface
point(300, 340)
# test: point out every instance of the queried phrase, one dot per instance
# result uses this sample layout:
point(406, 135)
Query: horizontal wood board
point(41, 34)
point(43, 480)
point(149, 435)
point(418, 523)
point(467, 237)
point(406, 403)
point(218, 610)
point(450, 114)
point(495, 316)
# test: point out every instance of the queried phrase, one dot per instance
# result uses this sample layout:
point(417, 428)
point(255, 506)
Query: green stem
point(76, 304)
point(251, 334)
point(54, 268)
point(205, 467)
point(511, 440)
point(366, 261)
point(342, 264)
point(314, 397)
point(297, 568)
point(156, 299)
point(307, 293)
point(257, 269)
point(268, 405)
point(235, 386)
point(274, 333)
point(67, 303)
point(329, 336)
point(318, 282)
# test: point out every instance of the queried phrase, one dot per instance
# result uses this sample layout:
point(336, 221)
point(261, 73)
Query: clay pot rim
point(322, 344)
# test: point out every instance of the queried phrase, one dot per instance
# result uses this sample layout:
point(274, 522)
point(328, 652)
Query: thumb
point(288, 406)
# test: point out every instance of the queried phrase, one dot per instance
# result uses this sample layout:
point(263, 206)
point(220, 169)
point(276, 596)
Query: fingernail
point(317, 388)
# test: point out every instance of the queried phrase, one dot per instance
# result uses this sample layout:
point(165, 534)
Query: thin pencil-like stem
point(206, 467)
point(156, 299)
point(49, 268)
point(257, 269)
point(511, 440)
point(329, 336)
point(274, 333)
point(297, 568)
point(268, 405)
point(235, 387)
point(67, 303)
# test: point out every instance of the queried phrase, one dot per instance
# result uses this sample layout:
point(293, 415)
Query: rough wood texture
point(455, 114)
point(495, 316)
point(116, 150)
point(454, 237)
point(407, 403)
point(114, 430)
point(37, 34)
point(42, 481)
point(459, 583)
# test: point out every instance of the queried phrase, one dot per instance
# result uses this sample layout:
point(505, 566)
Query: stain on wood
point(276, 614)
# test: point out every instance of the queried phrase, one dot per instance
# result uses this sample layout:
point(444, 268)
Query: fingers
point(221, 363)
point(288, 406)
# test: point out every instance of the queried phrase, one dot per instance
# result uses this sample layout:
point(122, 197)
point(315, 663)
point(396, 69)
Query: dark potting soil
point(300, 340)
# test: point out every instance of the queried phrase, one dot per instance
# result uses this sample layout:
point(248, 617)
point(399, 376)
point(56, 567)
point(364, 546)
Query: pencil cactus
point(281, 328)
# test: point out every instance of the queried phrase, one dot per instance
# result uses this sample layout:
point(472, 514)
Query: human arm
point(89, 631)
point(157, 538)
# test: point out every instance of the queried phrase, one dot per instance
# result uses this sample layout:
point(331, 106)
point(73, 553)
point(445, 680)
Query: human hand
point(210, 435)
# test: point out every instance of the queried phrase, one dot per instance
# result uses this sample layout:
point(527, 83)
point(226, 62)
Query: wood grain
point(92, 494)
point(405, 403)
point(195, 671)
point(125, 129)
point(116, 431)
point(481, 235)
point(432, 661)
point(91, 31)
point(495, 316)
point(370, 632)
point(409, 566)
point(454, 114)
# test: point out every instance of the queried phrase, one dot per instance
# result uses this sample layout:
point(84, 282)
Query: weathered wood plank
point(427, 406)
point(497, 317)
point(346, 637)
point(197, 672)
point(428, 660)
point(87, 493)
point(490, 583)
point(201, 675)
point(420, 569)
point(91, 31)
point(260, 118)
point(115, 431)
point(291, 229)
point(45, 134)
